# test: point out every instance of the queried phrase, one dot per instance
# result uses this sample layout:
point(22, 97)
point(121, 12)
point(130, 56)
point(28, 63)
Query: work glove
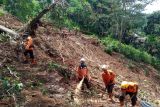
point(89, 78)
point(27, 47)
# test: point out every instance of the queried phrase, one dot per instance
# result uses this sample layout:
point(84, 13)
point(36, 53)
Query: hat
point(28, 38)
point(124, 85)
point(104, 67)
point(82, 60)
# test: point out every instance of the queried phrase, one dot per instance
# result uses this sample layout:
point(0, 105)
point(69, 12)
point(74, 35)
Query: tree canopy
point(153, 24)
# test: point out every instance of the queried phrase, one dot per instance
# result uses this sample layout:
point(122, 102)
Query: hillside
point(52, 82)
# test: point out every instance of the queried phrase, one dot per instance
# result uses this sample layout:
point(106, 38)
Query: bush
point(62, 70)
point(4, 37)
point(22, 9)
point(109, 49)
point(9, 83)
point(130, 52)
point(53, 66)
point(1, 12)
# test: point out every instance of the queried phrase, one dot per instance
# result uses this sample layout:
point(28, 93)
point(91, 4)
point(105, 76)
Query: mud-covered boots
point(26, 60)
point(121, 103)
point(111, 97)
point(33, 62)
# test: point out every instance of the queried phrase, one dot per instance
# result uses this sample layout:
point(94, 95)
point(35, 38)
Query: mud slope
point(48, 86)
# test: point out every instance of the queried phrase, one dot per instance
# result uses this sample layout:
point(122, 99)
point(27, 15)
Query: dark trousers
point(109, 88)
point(30, 52)
point(133, 97)
point(85, 82)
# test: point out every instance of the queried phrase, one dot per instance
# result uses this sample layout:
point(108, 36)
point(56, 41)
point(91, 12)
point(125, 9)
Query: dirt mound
point(58, 56)
point(10, 21)
point(72, 48)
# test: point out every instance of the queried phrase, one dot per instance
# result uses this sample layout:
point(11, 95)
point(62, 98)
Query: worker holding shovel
point(82, 72)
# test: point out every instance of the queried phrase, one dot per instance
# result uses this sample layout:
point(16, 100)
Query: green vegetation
point(1, 12)
point(96, 16)
point(130, 52)
point(3, 37)
point(152, 46)
point(44, 91)
point(22, 9)
point(62, 70)
point(153, 24)
point(53, 66)
point(10, 85)
point(119, 18)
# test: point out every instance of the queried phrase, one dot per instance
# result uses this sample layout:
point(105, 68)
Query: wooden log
point(7, 30)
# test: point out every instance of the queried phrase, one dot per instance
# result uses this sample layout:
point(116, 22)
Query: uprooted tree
point(30, 26)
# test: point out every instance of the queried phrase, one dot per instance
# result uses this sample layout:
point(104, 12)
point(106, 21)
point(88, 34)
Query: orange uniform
point(28, 44)
point(108, 77)
point(130, 87)
point(82, 72)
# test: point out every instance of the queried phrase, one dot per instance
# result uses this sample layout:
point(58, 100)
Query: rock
point(157, 102)
point(57, 96)
point(61, 90)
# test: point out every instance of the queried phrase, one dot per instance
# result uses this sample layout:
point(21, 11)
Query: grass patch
point(1, 12)
point(62, 70)
point(130, 52)
point(9, 82)
point(53, 66)
point(3, 37)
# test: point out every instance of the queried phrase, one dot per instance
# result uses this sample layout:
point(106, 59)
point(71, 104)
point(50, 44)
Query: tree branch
point(31, 24)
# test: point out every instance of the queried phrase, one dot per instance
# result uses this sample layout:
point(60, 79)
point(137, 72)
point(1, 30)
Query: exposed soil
point(45, 87)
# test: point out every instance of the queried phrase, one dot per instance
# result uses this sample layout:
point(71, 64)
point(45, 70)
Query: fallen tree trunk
point(6, 30)
point(32, 25)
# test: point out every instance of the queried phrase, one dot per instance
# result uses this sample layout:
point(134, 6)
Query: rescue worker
point(131, 89)
point(82, 71)
point(108, 77)
point(28, 45)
